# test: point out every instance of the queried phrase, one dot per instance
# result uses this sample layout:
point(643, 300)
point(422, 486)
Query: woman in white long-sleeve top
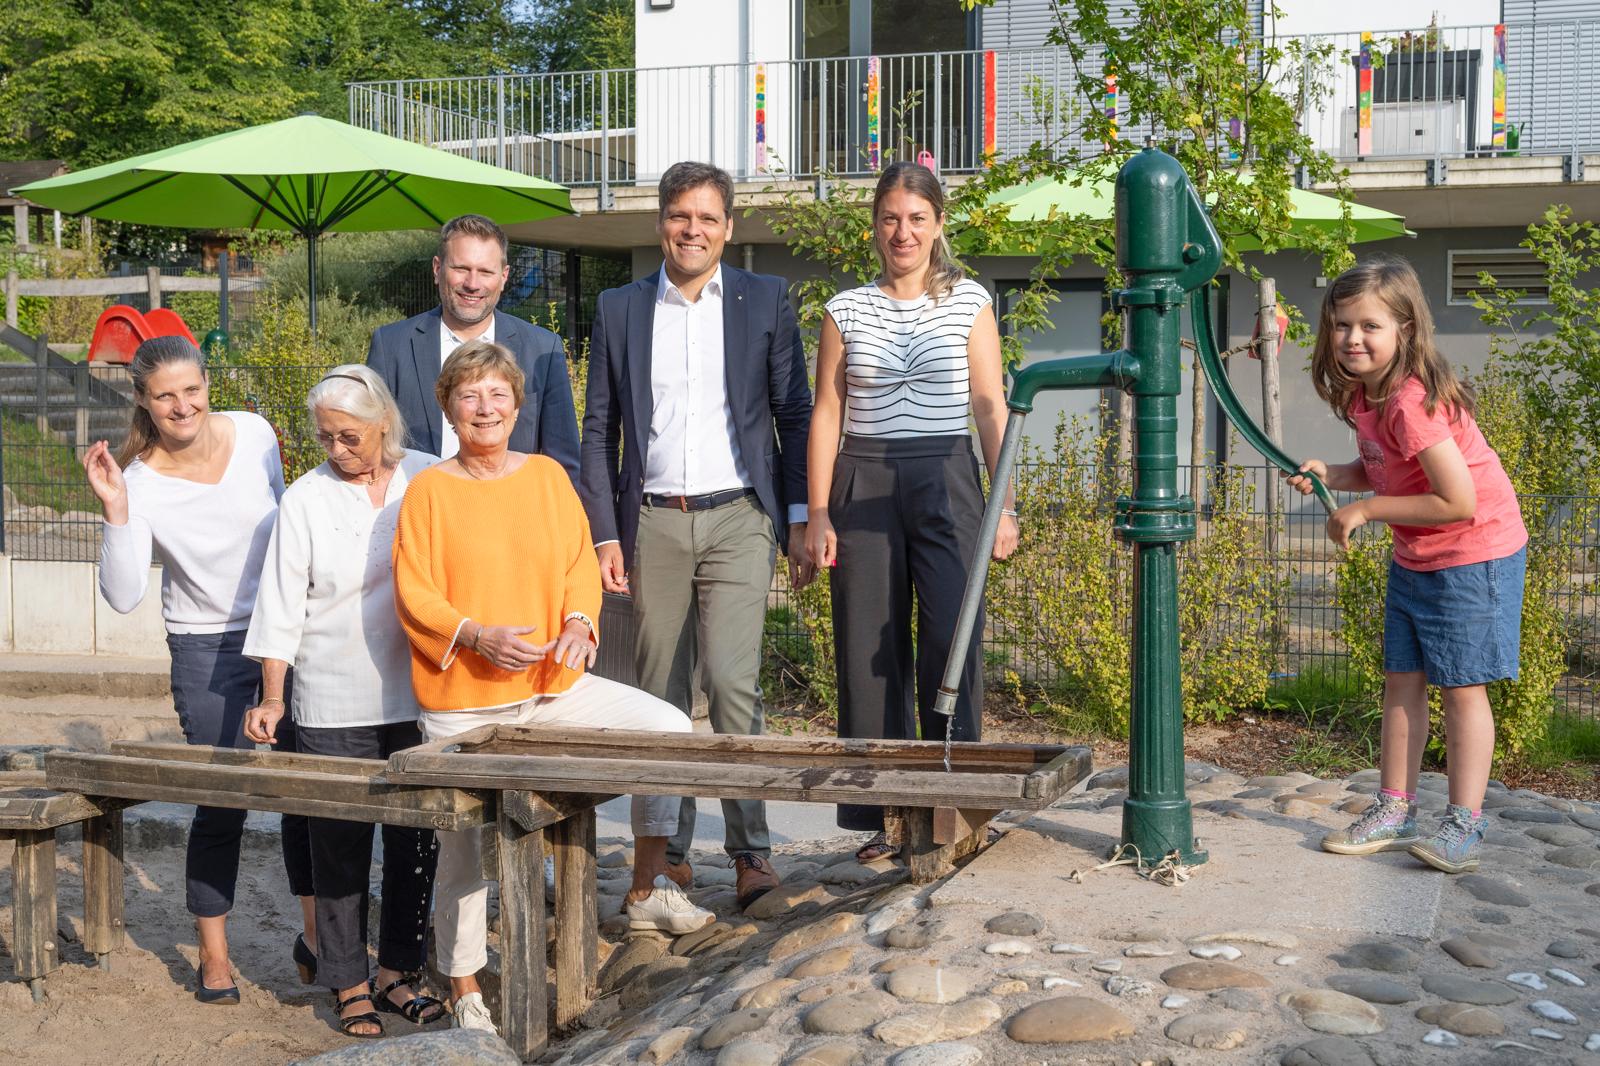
point(326, 608)
point(198, 490)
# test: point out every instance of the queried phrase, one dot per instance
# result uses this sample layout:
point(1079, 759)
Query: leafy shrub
point(1066, 596)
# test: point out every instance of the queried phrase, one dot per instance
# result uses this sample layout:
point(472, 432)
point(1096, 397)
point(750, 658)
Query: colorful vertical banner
point(989, 110)
point(874, 84)
point(1499, 141)
point(1111, 104)
point(1364, 97)
point(761, 118)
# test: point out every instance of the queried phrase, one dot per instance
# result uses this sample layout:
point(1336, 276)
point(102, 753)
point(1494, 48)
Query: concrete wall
point(55, 608)
point(686, 113)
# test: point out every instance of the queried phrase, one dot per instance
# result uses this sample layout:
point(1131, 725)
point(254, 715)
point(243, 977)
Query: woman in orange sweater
point(497, 587)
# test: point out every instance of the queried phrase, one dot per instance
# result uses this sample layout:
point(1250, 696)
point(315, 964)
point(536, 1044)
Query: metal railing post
point(500, 120)
point(938, 112)
point(711, 152)
point(820, 162)
point(605, 141)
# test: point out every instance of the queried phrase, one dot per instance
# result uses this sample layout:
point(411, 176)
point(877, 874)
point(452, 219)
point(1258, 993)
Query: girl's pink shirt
point(1390, 440)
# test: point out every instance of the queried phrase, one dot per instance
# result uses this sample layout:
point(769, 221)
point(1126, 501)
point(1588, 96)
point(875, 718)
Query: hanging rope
point(1169, 871)
point(1237, 349)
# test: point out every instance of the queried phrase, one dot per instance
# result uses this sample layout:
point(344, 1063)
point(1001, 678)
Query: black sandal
point(414, 1009)
point(369, 1018)
point(876, 848)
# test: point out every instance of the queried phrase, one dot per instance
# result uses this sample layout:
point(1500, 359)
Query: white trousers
point(460, 909)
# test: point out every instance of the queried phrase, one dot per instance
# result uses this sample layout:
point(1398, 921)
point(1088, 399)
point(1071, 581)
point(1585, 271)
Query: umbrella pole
point(311, 279)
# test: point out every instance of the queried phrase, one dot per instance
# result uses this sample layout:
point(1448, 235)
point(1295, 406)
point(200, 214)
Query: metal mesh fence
point(50, 418)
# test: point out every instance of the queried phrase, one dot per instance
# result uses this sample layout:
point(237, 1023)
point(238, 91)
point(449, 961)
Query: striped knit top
point(905, 361)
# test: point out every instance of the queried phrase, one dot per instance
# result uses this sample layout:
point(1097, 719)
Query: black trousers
point(341, 864)
point(213, 684)
point(906, 511)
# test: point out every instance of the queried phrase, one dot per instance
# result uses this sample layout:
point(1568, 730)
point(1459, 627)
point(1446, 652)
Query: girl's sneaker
point(1455, 847)
point(1389, 825)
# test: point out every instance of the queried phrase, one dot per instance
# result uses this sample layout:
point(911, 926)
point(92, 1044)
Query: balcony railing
point(1440, 93)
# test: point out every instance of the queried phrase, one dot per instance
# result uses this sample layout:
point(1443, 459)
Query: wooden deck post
point(33, 907)
point(928, 860)
point(102, 886)
point(524, 999)
point(577, 923)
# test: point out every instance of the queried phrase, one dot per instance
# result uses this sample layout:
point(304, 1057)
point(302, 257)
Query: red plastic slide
point(121, 329)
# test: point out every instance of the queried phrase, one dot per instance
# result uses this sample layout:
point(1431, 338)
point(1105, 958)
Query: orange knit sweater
point(513, 551)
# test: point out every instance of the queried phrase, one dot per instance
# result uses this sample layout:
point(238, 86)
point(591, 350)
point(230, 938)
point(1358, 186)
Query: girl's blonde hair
point(1393, 282)
point(943, 269)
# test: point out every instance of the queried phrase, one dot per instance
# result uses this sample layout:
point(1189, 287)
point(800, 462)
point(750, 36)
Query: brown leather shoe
point(754, 878)
point(682, 873)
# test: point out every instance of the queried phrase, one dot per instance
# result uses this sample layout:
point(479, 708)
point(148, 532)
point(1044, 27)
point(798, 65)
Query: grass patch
point(1567, 739)
point(43, 471)
point(1343, 723)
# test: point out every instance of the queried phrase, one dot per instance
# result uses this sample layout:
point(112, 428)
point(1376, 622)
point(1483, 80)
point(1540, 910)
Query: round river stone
point(1068, 1019)
point(1370, 988)
point(1471, 990)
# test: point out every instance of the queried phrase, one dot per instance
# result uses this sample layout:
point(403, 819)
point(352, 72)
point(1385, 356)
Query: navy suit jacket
point(768, 391)
point(406, 355)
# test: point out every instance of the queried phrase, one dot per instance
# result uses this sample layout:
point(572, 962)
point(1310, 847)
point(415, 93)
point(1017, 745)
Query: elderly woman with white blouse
point(326, 607)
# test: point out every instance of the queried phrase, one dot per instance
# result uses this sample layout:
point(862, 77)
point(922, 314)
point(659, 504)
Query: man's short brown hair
point(474, 226)
point(681, 177)
point(471, 363)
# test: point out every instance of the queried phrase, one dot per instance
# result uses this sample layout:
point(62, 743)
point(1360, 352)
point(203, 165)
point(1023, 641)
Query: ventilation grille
point(1512, 268)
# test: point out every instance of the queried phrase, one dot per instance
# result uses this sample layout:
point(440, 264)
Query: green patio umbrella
point(309, 175)
point(1097, 200)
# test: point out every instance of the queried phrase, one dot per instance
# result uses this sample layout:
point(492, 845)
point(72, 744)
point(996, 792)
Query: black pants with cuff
point(341, 866)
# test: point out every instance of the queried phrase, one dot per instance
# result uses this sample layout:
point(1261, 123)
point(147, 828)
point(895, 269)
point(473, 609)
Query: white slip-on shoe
point(470, 1013)
point(667, 910)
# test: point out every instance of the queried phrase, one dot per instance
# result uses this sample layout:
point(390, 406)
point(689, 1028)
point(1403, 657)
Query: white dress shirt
point(449, 443)
point(326, 601)
point(689, 397)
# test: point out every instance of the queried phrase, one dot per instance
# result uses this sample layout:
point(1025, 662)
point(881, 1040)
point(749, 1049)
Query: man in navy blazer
point(694, 476)
point(471, 270)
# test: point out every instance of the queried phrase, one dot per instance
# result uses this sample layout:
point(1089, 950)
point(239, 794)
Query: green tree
point(89, 81)
point(582, 34)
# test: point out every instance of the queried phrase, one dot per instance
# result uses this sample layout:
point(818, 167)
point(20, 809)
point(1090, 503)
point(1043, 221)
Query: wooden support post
point(927, 860)
point(33, 907)
point(11, 298)
point(577, 923)
point(153, 281)
point(41, 385)
point(1271, 400)
point(102, 886)
point(524, 998)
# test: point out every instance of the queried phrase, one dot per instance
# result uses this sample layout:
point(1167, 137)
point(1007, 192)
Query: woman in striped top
point(894, 511)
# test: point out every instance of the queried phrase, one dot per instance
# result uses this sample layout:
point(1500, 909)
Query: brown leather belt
point(697, 503)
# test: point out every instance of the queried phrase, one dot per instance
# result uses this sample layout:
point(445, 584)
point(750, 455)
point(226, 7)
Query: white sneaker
point(550, 876)
point(470, 1013)
point(667, 910)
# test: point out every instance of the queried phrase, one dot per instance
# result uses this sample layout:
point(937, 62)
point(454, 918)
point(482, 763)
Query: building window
point(1512, 268)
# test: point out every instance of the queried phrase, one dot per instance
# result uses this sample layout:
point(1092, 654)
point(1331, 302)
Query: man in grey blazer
point(471, 270)
point(694, 476)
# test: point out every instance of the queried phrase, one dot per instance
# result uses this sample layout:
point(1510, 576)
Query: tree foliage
point(89, 81)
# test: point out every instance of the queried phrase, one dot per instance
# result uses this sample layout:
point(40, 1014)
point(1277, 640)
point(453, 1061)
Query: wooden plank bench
point(512, 823)
point(30, 815)
point(936, 815)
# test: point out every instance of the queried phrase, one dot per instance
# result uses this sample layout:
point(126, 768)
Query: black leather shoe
point(305, 960)
point(227, 997)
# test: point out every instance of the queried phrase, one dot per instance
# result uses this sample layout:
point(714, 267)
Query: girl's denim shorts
point(1461, 625)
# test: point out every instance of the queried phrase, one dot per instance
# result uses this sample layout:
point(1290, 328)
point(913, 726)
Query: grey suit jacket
point(406, 355)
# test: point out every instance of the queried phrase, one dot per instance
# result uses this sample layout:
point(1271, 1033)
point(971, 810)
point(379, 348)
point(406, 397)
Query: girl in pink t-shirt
point(1453, 613)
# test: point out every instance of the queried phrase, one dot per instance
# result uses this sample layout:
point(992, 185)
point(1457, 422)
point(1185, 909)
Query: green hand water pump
point(1169, 251)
